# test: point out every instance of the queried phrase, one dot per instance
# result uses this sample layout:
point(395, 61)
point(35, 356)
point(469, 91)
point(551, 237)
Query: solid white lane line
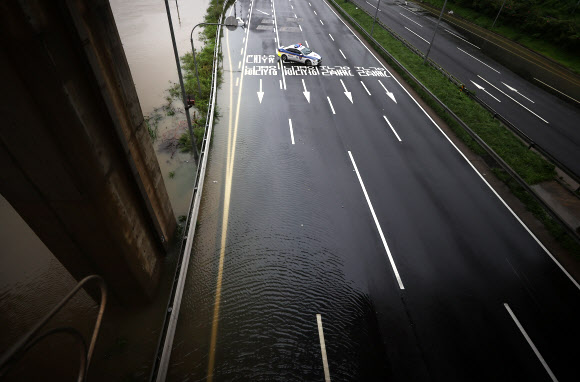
point(299, 26)
point(330, 103)
point(461, 38)
point(291, 131)
point(540, 244)
point(502, 92)
point(332, 38)
point(306, 42)
point(377, 223)
point(534, 348)
point(418, 35)
point(373, 6)
point(363, 84)
point(278, 38)
point(323, 348)
point(315, 13)
point(410, 19)
point(564, 94)
point(321, 22)
point(392, 128)
point(475, 58)
point(342, 54)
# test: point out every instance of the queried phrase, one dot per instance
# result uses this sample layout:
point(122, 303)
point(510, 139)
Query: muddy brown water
point(32, 280)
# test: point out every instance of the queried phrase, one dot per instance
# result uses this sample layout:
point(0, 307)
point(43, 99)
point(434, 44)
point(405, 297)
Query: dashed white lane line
point(242, 51)
point(502, 92)
point(291, 6)
point(300, 26)
point(564, 94)
point(323, 348)
point(330, 103)
point(306, 42)
point(332, 38)
point(278, 37)
point(291, 131)
point(410, 19)
point(373, 6)
point(342, 54)
point(295, 16)
point(534, 348)
point(418, 35)
point(237, 80)
point(377, 223)
point(244, 40)
point(392, 128)
point(475, 58)
point(315, 13)
point(262, 12)
point(509, 87)
point(239, 64)
point(321, 22)
point(280, 84)
point(309, 4)
point(461, 38)
point(363, 84)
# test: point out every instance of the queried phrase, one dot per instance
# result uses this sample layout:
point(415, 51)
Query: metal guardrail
point(32, 338)
point(471, 94)
point(570, 230)
point(165, 342)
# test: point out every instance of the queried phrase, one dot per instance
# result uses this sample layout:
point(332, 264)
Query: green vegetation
point(546, 26)
point(204, 58)
point(152, 123)
point(530, 166)
point(171, 174)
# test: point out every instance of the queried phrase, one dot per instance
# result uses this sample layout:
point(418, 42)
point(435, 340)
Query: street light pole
point(185, 105)
point(375, 20)
point(435, 32)
point(492, 25)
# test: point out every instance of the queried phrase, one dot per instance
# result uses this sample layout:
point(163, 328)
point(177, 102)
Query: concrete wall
point(76, 160)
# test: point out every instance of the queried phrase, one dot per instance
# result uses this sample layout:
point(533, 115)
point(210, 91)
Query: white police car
point(299, 53)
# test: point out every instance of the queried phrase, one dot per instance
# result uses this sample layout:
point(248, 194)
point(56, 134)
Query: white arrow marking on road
point(346, 92)
point(482, 88)
point(260, 93)
point(516, 90)
point(391, 95)
point(306, 92)
point(262, 12)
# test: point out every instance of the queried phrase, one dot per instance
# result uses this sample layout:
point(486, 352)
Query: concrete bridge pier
point(76, 159)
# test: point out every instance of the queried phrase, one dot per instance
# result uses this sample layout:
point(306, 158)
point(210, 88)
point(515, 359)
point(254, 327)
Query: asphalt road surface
point(343, 237)
point(548, 120)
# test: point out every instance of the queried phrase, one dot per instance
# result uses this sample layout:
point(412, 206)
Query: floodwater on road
point(32, 280)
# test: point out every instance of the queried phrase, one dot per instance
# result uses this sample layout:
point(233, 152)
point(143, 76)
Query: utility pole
point(492, 25)
point(435, 32)
point(375, 20)
point(185, 105)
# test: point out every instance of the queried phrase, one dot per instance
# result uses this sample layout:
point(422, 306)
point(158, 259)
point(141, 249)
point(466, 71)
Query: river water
point(36, 281)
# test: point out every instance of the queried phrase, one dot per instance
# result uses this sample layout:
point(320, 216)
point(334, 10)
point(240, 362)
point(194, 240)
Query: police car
point(299, 53)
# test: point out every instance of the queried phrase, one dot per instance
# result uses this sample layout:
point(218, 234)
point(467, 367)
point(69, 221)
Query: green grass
point(559, 40)
point(529, 165)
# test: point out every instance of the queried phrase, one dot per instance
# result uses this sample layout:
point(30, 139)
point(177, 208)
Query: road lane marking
point(306, 92)
point(475, 58)
point(501, 91)
point(242, 52)
point(392, 128)
point(280, 84)
point(295, 16)
point(291, 131)
point(262, 12)
point(237, 81)
point(534, 348)
point(373, 6)
point(323, 348)
point(377, 223)
point(482, 88)
point(564, 94)
point(244, 40)
point(309, 4)
point(321, 22)
point(516, 90)
point(315, 13)
point(306, 42)
point(346, 92)
point(418, 35)
point(300, 26)
point(390, 94)
point(332, 38)
point(231, 153)
point(278, 38)
point(540, 244)
point(330, 103)
point(461, 38)
point(239, 64)
point(363, 84)
point(410, 19)
point(342, 54)
point(291, 6)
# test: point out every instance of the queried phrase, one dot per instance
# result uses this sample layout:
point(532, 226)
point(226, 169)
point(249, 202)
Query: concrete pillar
point(76, 160)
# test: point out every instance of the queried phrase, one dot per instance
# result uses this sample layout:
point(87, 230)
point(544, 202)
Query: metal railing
point(570, 230)
point(32, 338)
point(471, 94)
point(165, 342)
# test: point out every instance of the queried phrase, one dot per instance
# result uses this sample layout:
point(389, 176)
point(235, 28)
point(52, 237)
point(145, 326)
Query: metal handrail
point(570, 230)
point(30, 339)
